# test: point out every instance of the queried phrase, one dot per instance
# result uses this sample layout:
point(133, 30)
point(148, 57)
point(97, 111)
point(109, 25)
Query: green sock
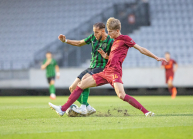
point(85, 95)
point(52, 89)
point(80, 99)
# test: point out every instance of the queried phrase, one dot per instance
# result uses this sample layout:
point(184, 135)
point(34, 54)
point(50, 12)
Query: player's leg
point(52, 88)
point(132, 101)
point(75, 83)
point(85, 108)
point(170, 85)
point(86, 83)
point(85, 93)
point(90, 81)
point(73, 86)
point(171, 88)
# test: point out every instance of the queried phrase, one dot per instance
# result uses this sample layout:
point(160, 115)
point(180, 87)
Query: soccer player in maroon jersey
point(113, 70)
point(169, 73)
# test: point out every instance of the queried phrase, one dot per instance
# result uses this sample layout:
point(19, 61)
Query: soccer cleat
point(174, 93)
point(90, 110)
point(80, 111)
point(52, 96)
point(149, 114)
point(57, 109)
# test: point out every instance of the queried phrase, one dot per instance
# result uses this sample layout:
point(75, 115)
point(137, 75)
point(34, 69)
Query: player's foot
point(149, 114)
point(53, 96)
point(174, 93)
point(90, 110)
point(80, 111)
point(57, 109)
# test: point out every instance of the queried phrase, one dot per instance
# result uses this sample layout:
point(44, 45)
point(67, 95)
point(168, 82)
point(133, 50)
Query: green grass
point(31, 117)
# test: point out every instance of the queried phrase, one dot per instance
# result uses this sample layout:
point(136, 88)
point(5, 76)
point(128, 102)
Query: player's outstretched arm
point(148, 53)
point(175, 67)
point(78, 43)
point(103, 54)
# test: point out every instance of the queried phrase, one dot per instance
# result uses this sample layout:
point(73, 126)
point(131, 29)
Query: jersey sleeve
point(88, 39)
point(129, 41)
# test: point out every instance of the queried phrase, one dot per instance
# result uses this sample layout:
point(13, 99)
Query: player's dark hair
point(48, 52)
point(167, 53)
point(100, 25)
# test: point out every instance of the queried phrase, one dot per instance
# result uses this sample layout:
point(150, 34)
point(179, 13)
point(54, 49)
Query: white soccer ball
point(70, 112)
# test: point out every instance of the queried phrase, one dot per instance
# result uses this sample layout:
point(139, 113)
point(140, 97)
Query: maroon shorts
point(104, 77)
point(169, 77)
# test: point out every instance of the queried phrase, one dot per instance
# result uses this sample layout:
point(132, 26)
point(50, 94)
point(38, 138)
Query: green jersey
point(97, 60)
point(50, 69)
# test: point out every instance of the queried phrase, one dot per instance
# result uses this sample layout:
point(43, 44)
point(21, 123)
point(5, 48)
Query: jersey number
point(115, 76)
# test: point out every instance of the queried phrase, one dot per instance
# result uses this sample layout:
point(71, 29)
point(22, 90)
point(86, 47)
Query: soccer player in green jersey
point(51, 66)
point(101, 46)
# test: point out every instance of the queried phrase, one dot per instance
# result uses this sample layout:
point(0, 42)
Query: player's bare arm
point(57, 71)
point(162, 66)
point(148, 53)
point(46, 64)
point(175, 67)
point(78, 43)
point(103, 54)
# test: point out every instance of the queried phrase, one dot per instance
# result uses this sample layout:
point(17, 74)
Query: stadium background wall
point(137, 81)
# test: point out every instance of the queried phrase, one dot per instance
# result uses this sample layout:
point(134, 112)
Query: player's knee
point(71, 89)
point(85, 76)
point(121, 95)
point(81, 85)
point(52, 82)
point(169, 84)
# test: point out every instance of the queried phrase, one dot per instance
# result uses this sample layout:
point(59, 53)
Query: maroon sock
point(72, 98)
point(135, 103)
point(170, 89)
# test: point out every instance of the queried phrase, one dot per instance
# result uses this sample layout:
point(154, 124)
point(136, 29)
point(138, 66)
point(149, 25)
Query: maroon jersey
point(169, 69)
point(169, 66)
point(118, 53)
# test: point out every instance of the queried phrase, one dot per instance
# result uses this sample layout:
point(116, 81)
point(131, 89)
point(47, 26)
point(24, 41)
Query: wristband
point(65, 40)
point(58, 73)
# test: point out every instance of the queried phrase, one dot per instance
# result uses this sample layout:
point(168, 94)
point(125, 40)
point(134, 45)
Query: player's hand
point(48, 62)
point(103, 54)
point(161, 59)
point(62, 38)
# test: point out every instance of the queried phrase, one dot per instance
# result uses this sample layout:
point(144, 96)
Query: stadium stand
point(171, 30)
point(28, 26)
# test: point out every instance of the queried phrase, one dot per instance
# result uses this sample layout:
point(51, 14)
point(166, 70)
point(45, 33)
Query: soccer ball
point(70, 112)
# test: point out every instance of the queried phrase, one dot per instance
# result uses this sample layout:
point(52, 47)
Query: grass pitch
point(31, 117)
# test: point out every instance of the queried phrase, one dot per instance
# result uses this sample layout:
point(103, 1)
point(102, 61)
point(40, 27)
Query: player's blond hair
point(113, 24)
